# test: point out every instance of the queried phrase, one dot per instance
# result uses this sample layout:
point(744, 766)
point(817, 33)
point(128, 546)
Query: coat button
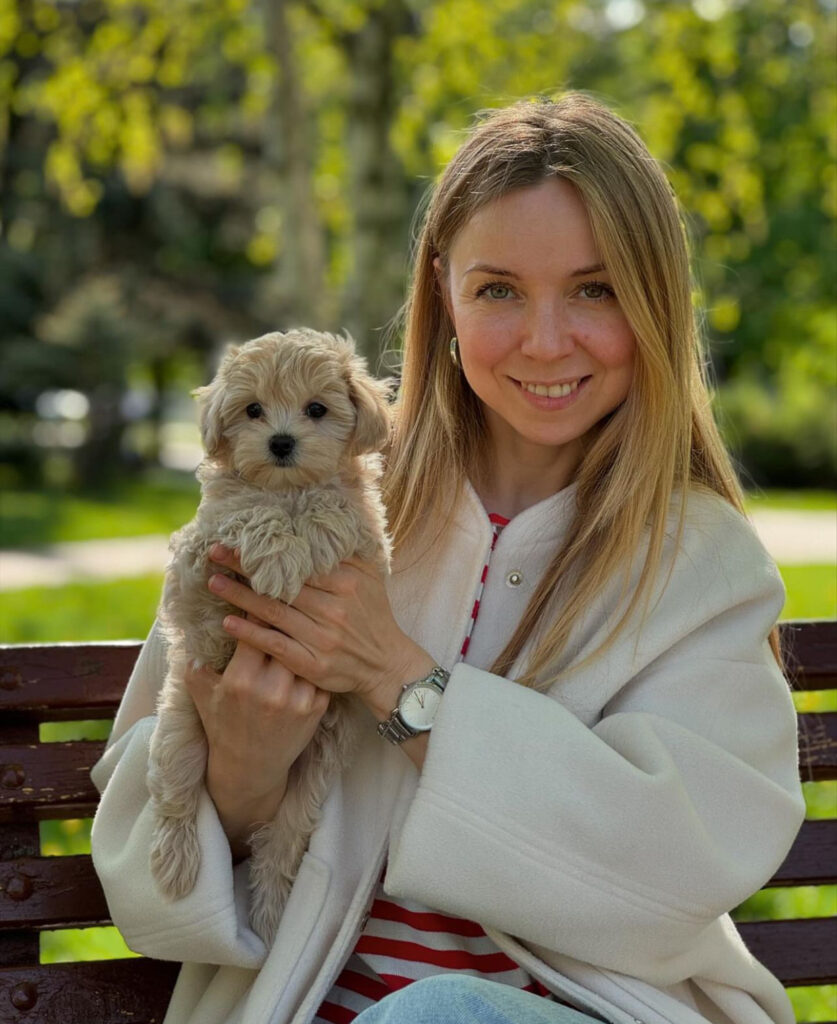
point(514, 578)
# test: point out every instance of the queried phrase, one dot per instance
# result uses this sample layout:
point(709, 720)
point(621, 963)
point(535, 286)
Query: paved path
point(793, 538)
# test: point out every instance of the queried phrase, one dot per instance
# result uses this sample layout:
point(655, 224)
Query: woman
point(599, 759)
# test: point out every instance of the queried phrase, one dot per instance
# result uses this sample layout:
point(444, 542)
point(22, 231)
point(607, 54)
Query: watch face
point(418, 705)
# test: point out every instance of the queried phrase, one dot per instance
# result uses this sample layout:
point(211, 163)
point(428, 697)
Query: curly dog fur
point(291, 424)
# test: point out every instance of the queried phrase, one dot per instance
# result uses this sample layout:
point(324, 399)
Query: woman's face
point(543, 341)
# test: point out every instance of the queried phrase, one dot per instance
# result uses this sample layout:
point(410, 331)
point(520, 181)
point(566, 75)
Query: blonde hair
point(660, 442)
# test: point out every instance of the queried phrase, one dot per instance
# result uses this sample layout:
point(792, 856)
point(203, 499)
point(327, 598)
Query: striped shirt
point(404, 941)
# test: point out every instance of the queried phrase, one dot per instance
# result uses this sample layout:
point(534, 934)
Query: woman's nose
point(549, 333)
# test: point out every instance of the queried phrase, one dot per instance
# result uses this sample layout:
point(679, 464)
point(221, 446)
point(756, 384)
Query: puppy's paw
point(175, 856)
point(330, 526)
point(282, 573)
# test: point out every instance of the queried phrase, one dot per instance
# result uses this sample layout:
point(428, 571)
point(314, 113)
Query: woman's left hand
point(339, 633)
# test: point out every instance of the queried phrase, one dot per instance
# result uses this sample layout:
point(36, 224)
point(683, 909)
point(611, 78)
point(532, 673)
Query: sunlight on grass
point(811, 591)
point(157, 505)
point(83, 944)
point(797, 501)
point(814, 1002)
point(79, 612)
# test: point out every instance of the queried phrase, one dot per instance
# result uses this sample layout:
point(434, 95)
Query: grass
point(79, 612)
point(796, 501)
point(155, 503)
point(125, 609)
point(161, 501)
point(811, 591)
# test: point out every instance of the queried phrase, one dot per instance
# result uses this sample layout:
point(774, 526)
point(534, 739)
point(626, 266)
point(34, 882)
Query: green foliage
point(143, 142)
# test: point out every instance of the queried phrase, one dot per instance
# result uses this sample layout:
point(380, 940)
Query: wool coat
point(600, 830)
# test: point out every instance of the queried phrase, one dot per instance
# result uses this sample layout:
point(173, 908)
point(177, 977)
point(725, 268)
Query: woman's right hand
point(258, 718)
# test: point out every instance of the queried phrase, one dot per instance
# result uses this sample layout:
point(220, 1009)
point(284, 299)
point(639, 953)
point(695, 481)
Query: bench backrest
point(39, 781)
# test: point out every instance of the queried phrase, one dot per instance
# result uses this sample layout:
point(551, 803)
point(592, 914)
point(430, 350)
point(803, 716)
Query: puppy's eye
point(254, 410)
point(316, 410)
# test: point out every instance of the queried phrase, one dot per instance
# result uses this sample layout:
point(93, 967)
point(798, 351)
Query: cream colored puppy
point(288, 424)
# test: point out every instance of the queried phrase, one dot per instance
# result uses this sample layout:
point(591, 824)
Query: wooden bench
point(39, 781)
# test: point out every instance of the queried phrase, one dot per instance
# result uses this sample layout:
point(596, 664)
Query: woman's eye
point(496, 291)
point(254, 410)
point(604, 291)
point(316, 410)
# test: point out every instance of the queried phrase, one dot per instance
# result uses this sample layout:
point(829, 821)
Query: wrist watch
point(416, 708)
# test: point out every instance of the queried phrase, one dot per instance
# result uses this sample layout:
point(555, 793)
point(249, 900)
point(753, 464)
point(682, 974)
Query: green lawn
point(157, 503)
point(805, 501)
point(162, 501)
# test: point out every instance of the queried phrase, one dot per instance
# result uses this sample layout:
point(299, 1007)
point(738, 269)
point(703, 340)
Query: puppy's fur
point(288, 424)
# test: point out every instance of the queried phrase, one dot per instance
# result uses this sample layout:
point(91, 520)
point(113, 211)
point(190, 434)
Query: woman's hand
point(258, 718)
point(339, 633)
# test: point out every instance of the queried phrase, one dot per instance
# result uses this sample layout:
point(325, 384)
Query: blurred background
point(178, 175)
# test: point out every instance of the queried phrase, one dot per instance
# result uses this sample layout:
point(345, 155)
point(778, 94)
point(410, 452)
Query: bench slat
point(810, 652)
point(51, 780)
point(48, 780)
point(51, 892)
point(817, 745)
point(55, 682)
point(798, 952)
point(104, 991)
point(813, 857)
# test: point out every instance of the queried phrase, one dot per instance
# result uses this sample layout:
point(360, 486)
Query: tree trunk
point(294, 292)
point(379, 234)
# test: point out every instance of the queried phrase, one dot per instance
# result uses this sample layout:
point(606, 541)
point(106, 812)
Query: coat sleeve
point(620, 844)
point(210, 925)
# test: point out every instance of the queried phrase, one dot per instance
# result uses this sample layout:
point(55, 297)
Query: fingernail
point(217, 582)
point(218, 551)
point(231, 624)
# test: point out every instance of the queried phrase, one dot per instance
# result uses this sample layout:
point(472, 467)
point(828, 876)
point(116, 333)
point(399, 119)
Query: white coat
point(599, 831)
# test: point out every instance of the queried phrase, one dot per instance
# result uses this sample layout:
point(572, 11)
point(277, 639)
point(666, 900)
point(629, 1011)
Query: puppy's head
point(287, 409)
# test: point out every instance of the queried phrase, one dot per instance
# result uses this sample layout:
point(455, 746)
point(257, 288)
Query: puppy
point(288, 424)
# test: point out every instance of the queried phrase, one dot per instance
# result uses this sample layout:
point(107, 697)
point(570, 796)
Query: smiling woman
point(577, 748)
point(547, 359)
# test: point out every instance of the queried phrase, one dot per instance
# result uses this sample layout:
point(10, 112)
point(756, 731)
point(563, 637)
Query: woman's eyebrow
point(485, 268)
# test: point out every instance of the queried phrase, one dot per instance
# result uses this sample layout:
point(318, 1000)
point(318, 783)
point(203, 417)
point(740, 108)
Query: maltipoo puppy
point(289, 424)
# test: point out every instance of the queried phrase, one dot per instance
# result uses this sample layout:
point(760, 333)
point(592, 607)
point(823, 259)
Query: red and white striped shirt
point(404, 941)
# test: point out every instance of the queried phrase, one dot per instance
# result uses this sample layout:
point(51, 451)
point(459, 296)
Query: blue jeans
point(462, 999)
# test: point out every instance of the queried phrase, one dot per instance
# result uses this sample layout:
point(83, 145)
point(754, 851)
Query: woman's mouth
point(556, 395)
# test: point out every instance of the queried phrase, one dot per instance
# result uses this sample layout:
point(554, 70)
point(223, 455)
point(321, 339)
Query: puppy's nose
point(281, 445)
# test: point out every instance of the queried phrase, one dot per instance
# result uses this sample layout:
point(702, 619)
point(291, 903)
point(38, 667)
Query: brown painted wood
point(810, 652)
point(813, 857)
point(17, 840)
point(797, 952)
point(51, 892)
point(102, 992)
point(59, 682)
point(48, 780)
point(817, 746)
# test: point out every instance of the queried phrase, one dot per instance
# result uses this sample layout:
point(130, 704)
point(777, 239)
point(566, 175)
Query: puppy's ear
point(371, 400)
point(211, 400)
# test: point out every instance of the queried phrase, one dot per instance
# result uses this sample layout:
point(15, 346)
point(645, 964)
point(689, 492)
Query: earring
point(454, 353)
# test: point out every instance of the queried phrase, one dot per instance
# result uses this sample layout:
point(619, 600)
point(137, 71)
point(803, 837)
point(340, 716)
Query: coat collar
point(546, 522)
